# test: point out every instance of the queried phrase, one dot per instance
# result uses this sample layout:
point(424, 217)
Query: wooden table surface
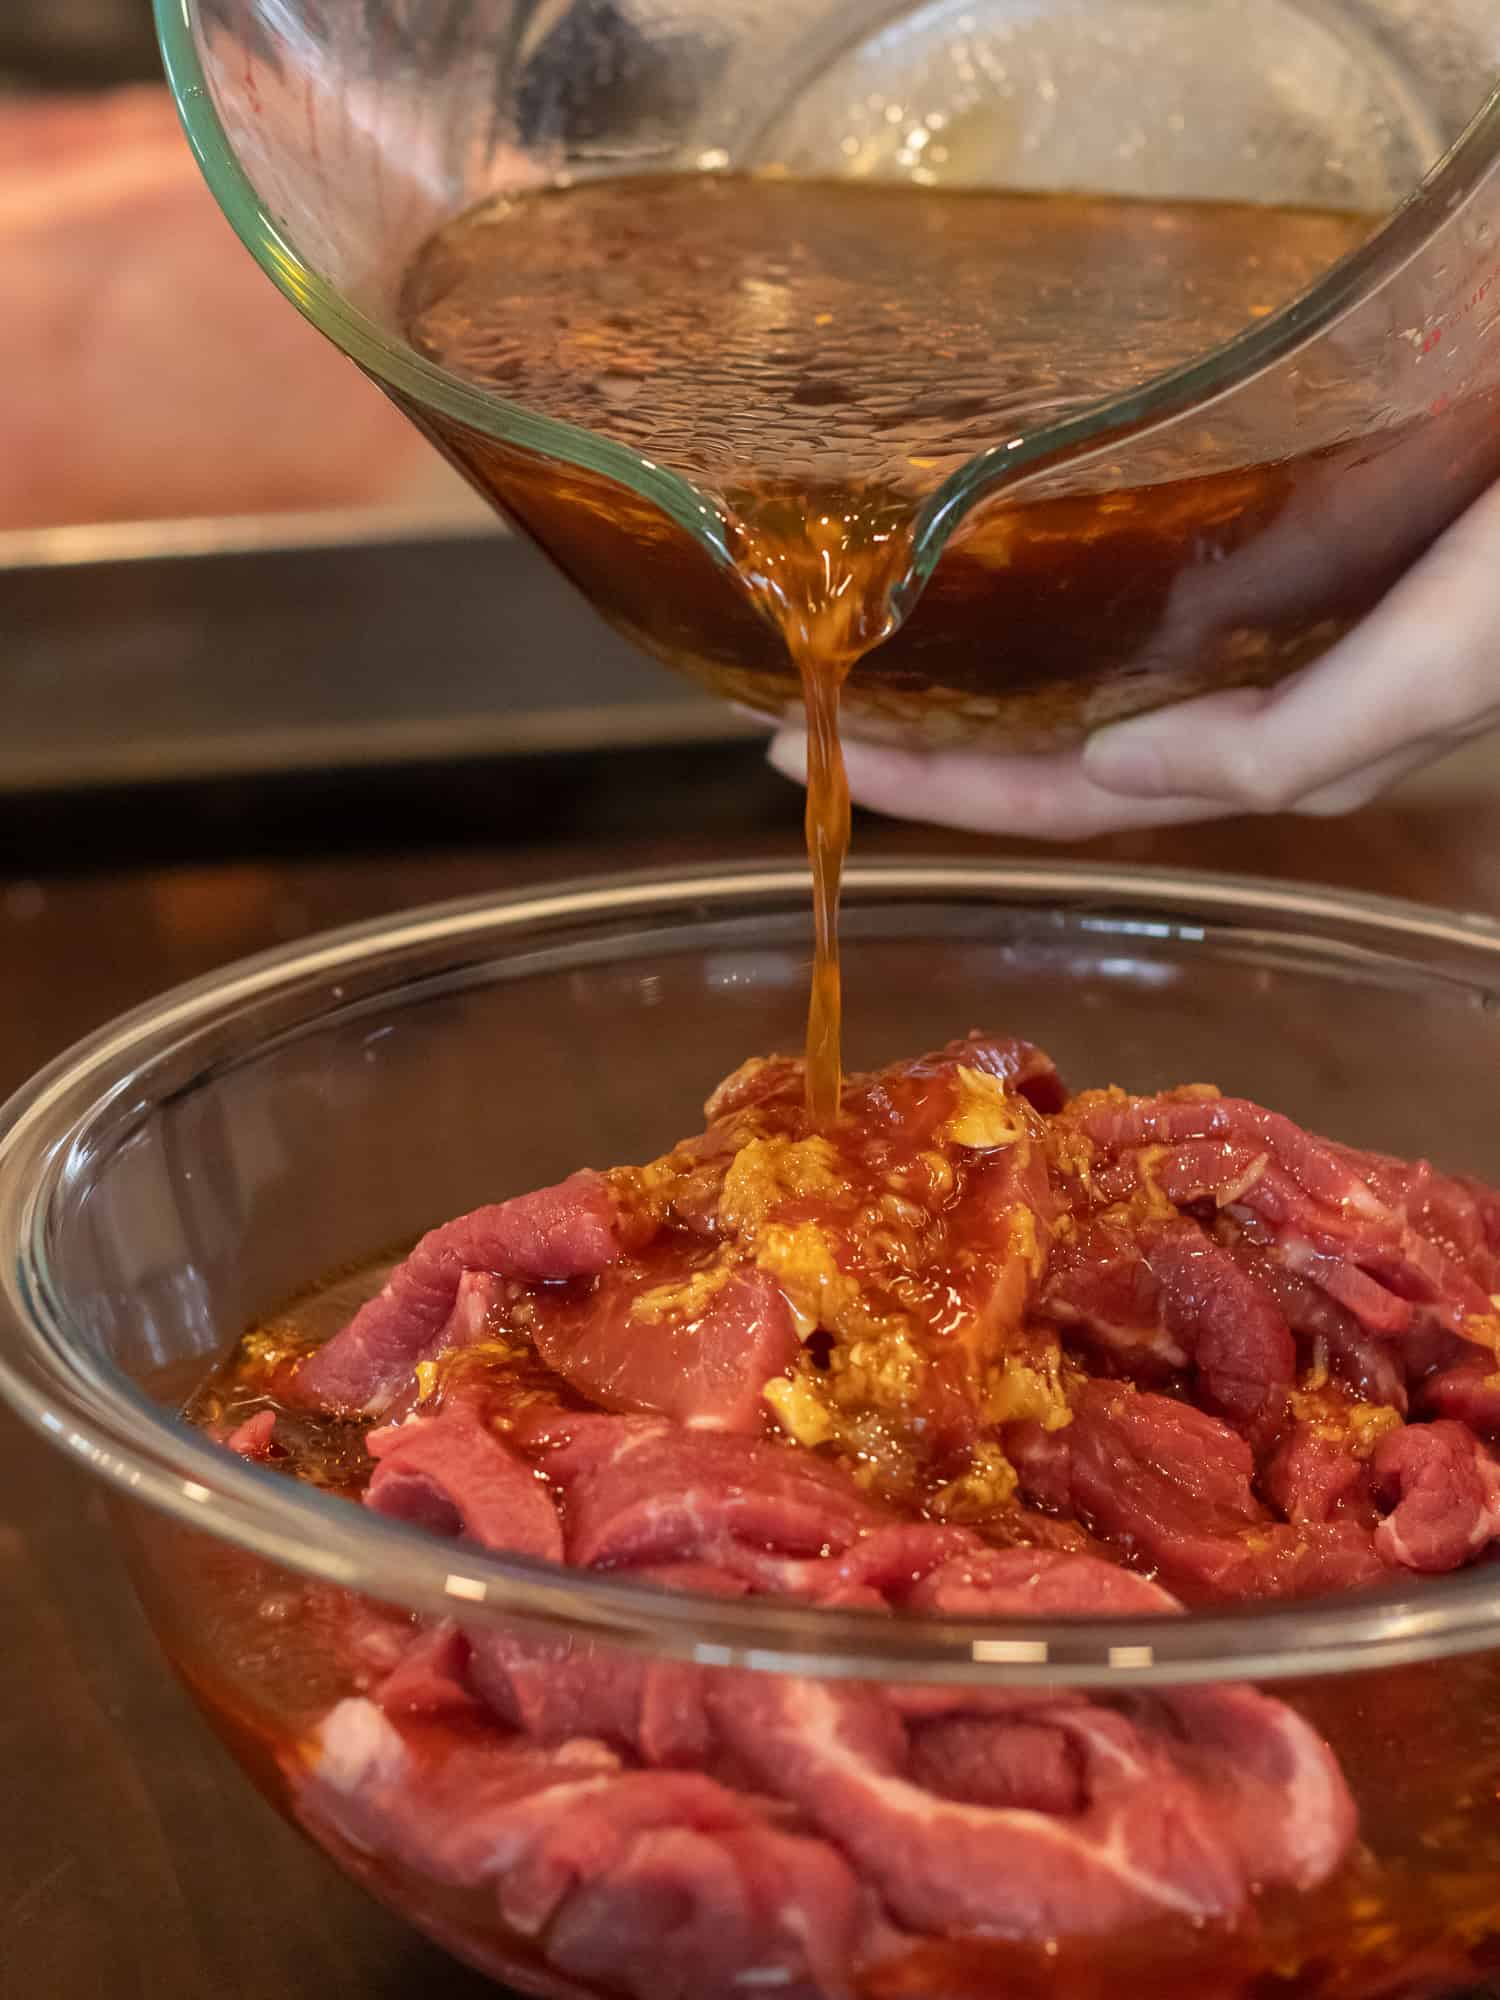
point(133, 1860)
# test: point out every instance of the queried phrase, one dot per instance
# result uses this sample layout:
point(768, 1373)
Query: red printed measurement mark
point(1428, 342)
point(1457, 314)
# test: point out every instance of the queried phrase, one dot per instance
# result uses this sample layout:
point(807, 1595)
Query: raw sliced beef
point(1445, 1490)
point(707, 1369)
point(568, 1231)
point(677, 1885)
point(644, 1492)
point(971, 1352)
point(1171, 1487)
point(1087, 1818)
point(1163, 1296)
point(1338, 1217)
point(452, 1475)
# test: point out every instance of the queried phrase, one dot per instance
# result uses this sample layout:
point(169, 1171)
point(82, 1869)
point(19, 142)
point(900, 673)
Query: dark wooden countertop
point(133, 1859)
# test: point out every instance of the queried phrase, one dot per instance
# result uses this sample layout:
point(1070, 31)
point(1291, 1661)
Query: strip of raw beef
point(1272, 1782)
point(553, 1690)
point(778, 1080)
point(641, 1491)
point(706, 1371)
point(1028, 1764)
point(1039, 1583)
point(1468, 1390)
point(1446, 1493)
point(1461, 1216)
point(1021, 1066)
point(255, 1437)
point(763, 1080)
point(1170, 1486)
point(1163, 1296)
point(675, 1884)
point(431, 1677)
point(556, 1689)
point(452, 1475)
point(1337, 1216)
point(888, 1563)
point(1118, 1124)
point(1372, 1368)
point(1317, 1479)
point(1068, 1817)
point(567, 1231)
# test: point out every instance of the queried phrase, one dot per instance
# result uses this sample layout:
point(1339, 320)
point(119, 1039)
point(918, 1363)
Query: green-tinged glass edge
point(392, 364)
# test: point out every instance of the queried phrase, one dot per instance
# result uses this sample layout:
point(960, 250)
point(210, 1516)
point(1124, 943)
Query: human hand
point(1419, 676)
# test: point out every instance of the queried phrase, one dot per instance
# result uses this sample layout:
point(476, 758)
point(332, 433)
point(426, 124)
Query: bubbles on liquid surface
point(741, 329)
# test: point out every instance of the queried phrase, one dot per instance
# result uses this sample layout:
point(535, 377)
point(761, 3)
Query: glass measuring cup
point(1217, 525)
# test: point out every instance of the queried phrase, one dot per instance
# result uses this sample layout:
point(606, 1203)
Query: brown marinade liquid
point(816, 357)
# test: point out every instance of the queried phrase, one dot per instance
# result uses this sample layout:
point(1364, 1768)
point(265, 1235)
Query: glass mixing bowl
point(198, 1162)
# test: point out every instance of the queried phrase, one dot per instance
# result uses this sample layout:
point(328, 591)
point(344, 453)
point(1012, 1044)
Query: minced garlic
point(1073, 1154)
point(800, 1258)
point(767, 1172)
point(1147, 1160)
point(1025, 1244)
point(1329, 1413)
point(1320, 1408)
point(687, 1300)
point(987, 1115)
point(989, 1483)
point(1028, 1392)
point(887, 1372)
point(799, 1409)
point(1368, 1424)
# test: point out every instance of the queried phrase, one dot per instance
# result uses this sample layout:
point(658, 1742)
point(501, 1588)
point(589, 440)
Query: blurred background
point(222, 552)
point(111, 250)
point(76, 42)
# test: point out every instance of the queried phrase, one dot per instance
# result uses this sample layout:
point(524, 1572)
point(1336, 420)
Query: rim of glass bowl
point(1101, 426)
point(49, 1375)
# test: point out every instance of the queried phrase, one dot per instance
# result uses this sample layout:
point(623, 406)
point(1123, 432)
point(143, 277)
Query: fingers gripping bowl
point(1301, 1793)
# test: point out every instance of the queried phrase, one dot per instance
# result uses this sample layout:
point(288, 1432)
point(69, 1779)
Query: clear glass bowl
point(200, 1161)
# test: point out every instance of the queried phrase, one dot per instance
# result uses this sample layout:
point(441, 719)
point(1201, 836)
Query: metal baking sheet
point(184, 650)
